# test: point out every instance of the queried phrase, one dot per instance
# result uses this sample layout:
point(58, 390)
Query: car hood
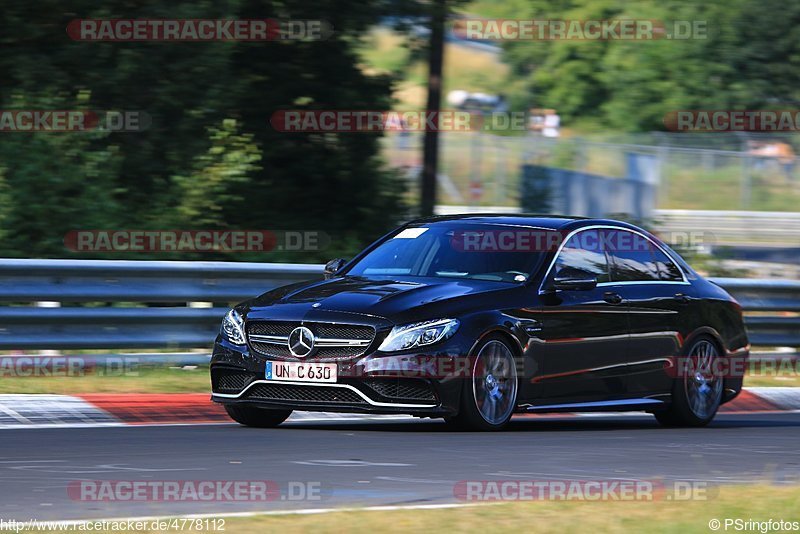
point(395, 299)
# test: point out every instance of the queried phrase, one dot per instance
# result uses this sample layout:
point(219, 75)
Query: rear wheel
point(256, 417)
point(697, 394)
point(490, 394)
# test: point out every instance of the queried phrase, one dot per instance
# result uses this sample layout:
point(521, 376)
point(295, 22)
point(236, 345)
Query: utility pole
point(430, 157)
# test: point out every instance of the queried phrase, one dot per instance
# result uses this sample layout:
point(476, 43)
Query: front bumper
point(425, 385)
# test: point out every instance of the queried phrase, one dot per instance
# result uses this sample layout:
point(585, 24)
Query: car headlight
point(233, 328)
point(412, 335)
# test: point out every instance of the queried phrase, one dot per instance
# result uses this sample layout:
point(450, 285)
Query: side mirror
point(333, 267)
point(572, 279)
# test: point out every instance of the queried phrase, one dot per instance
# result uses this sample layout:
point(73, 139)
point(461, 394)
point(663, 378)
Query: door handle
point(683, 299)
point(612, 298)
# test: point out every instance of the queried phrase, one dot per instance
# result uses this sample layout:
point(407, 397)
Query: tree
point(331, 182)
point(748, 60)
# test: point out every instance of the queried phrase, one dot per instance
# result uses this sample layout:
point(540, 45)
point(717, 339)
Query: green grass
point(771, 381)
point(142, 380)
point(196, 380)
point(384, 51)
point(757, 503)
point(773, 374)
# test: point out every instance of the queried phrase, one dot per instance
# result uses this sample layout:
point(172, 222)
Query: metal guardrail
point(71, 281)
point(721, 228)
point(111, 304)
point(119, 304)
point(771, 309)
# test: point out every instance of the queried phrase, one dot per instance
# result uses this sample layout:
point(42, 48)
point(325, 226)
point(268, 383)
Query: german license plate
point(301, 371)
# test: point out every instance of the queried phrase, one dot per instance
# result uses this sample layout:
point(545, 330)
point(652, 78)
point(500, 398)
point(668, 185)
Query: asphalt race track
point(380, 463)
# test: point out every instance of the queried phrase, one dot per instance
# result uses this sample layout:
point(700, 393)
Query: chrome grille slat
point(333, 341)
point(329, 342)
point(278, 340)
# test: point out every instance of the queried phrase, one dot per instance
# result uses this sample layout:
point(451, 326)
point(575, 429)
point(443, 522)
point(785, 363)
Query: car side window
point(667, 268)
point(584, 251)
point(631, 257)
point(634, 258)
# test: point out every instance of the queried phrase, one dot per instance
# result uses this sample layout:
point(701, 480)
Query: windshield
point(452, 250)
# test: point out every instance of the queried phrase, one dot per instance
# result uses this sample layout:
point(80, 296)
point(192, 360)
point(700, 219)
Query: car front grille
point(274, 328)
point(230, 380)
point(304, 393)
point(401, 389)
point(333, 341)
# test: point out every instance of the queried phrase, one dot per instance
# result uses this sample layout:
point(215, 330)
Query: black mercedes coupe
point(474, 318)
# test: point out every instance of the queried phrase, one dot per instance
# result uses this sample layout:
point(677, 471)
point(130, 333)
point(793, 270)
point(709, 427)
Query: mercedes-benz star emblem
point(301, 341)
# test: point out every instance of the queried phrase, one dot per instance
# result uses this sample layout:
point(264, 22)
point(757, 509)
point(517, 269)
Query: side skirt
point(599, 406)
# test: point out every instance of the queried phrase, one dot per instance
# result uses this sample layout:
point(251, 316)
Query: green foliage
point(53, 183)
point(749, 60)
point(210, 158)
point(229, 161)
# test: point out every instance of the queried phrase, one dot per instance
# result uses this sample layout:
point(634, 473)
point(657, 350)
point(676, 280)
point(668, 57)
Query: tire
point(489, 398)
point(697, 395)
point(256, 417)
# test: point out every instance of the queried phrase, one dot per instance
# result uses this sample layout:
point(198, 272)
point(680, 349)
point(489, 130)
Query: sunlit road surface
point(379, 463)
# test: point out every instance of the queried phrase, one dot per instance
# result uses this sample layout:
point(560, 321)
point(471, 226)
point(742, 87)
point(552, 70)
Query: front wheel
point(256, 417)
point(490, 393)
point(697, 394)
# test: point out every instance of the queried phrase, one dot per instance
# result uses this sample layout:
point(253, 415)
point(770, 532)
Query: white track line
point(309, 511)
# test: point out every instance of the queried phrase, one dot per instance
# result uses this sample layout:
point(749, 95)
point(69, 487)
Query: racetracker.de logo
point(728, 120)
point(41, 120)
point(578, 30)
point(194, 491)
point(535, 240)
point(580, 490)
point(194, 30)
point(371, 121)
point(194, 240)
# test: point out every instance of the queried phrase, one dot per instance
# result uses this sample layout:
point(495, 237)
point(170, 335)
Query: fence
point(550, 190)
point(693, 171)
point(154, 304)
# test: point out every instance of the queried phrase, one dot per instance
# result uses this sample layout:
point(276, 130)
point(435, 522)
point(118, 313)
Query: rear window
point(634, 258)
point(584, 251)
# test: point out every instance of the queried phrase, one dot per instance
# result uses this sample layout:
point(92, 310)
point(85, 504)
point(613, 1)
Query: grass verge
point(196, 380)
point(141, 380)
point(748, 503)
